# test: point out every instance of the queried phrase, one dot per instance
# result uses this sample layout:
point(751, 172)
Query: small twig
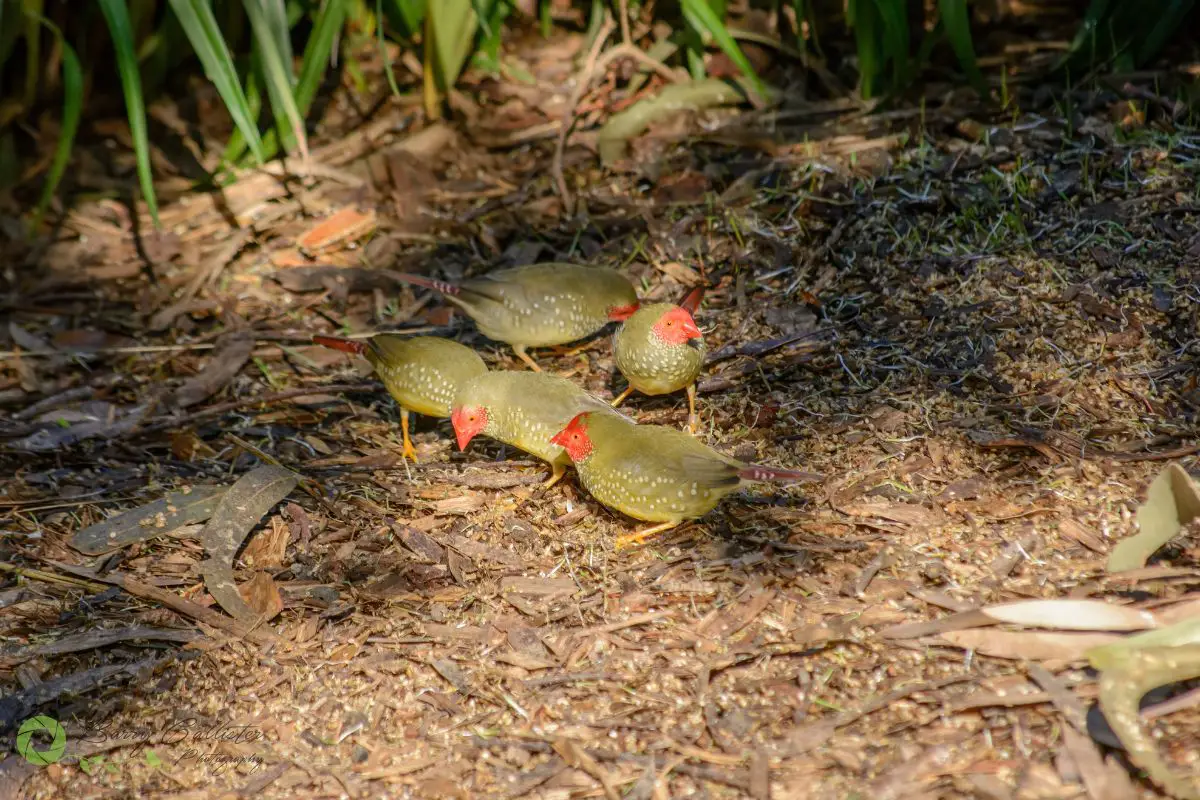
point(50, 577)
point(625, 37)
point(596, 64)
point(568, 119)
point(221, 408)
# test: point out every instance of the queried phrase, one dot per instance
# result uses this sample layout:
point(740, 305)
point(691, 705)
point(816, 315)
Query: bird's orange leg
point(630, 539)
point(693, 417)
point(558, 469)
point(409, 451)
point(522, 354)
point(621, 397)
point(571, 352)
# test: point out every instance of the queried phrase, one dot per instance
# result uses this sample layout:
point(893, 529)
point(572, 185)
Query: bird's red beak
point(464, 432)
point(690, 329)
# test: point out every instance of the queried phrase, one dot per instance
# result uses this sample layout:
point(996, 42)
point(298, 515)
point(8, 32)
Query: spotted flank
point(542, 304)
point(423, 372)
point(654, 473)
point(653, 364)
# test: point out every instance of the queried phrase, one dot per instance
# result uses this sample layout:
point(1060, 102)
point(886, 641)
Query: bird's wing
point(680, 465)
point(496, 290)
point(389, 349)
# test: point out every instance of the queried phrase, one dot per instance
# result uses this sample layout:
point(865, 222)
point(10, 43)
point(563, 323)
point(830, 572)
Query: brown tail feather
point(426, 283)
point(691, 300)
point(345, 345)
point(757, 472)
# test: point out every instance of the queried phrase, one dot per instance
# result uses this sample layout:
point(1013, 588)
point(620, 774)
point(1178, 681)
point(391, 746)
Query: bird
point(659, 349)
point(523, 409)
point(538, 305)
point(654, 473)
point(422, 373)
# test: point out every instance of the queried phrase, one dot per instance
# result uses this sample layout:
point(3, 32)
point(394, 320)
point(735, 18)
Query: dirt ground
point(980, 328)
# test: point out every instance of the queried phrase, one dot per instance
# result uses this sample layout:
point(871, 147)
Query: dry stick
point(189, 609)
point(50, 577)
point(626, 39)
point(221, 408)
point(595, 64)
point(568, 119)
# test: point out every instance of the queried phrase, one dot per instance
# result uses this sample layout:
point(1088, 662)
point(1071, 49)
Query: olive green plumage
point(525, 409)
point(654, 473)
point(653, 365)
point(538, 305)
point(423, 373)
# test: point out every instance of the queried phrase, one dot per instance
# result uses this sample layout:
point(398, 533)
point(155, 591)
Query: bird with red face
point(422, 373)
point(659, 349)
point(523, 409)
point(655, 473)
point(538, 305)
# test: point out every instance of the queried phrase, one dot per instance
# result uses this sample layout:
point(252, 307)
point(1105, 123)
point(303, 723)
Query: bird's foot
point(636, 538)
point(570, 352)
point(524, 356)
point(621, 397)
point(554, 478)
point(693, 425)
point(409, 452)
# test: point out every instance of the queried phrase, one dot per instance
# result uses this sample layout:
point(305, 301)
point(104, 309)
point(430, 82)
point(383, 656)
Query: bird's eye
point(670, 322)
point(471, 418)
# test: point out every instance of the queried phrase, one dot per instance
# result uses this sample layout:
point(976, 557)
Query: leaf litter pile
point(982, 336)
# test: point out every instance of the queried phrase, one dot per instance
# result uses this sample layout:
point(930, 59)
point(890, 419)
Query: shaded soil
point(983, 335)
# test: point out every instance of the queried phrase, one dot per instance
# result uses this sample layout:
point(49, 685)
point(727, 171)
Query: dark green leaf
point(72, 74)
point(117, 18)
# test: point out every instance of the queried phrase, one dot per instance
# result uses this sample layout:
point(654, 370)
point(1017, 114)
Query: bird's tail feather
point(691, 301)
point(335, 343)
point(426, 283)
point(757, 472)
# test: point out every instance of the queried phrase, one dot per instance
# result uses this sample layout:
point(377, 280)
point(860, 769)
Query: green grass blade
point(72, 76)
point(383, 53)
point(862, 16)
point(453, 23)
point(279, 85)
point(32, 11)
point(894, 16)
point(237, 142)
point(491, 24)
point(805, 12)
point(701, 16)
point(956, 19)
point(275, 12)
point(314, 62)
point(408, 15)
point(318, 52)
point(200, 26)
point(117, 19)
point(1170, 21)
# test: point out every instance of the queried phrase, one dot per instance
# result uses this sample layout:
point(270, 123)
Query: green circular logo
point(25, 743)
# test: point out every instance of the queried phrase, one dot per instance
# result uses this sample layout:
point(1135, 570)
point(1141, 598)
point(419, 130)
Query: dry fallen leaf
point(1073, 615)
point(159, 518)
point(232, 352)
point(262, 595)
point(240, 510)
point(344, 225)
point(1173, 501)
point(1029, 645)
